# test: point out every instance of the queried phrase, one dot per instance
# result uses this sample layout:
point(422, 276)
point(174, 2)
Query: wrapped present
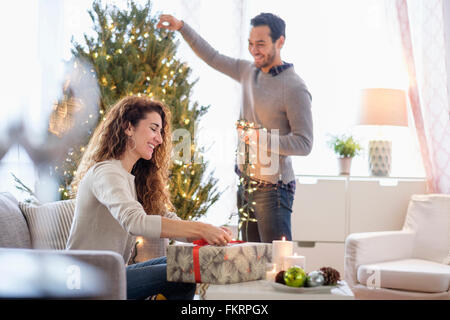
point(237, 262)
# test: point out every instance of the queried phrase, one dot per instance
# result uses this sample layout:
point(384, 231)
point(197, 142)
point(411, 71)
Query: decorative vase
point(345, 165)
point(380, 157)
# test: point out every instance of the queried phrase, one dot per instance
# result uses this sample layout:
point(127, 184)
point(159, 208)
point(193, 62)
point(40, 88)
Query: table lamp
point(382, 107)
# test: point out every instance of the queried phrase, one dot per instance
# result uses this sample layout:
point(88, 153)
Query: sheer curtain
point(30, 62)
point(424, 32)
point(224, 24)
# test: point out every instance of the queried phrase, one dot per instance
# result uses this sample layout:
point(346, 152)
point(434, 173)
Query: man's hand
point(169, 22)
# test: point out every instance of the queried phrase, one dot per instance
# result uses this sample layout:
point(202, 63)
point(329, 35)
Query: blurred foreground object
point(40, 274)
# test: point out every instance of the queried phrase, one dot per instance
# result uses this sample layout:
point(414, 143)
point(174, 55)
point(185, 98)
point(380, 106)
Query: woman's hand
point(216, 236)
point(227, 230)
point(194, 230)
point(169, 22)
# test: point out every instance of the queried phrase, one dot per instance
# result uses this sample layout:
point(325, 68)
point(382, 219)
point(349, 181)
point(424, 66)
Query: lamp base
point(380, 156)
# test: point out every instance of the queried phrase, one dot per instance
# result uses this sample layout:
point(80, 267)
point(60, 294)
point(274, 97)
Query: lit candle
point(280, 249)
point(295, 260)
point(271, 274)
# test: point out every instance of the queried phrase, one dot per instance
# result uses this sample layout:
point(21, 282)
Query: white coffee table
point(263, 290)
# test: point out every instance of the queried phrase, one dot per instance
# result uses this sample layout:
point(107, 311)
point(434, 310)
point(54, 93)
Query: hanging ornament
point(246, 207)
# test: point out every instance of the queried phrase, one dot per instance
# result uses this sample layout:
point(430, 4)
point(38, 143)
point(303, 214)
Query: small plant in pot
point(346, 148)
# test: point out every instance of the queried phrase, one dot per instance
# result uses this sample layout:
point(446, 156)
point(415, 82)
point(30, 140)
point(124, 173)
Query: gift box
point(236, 262)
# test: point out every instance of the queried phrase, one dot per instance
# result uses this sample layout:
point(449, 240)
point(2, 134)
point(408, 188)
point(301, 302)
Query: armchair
point(412, 263)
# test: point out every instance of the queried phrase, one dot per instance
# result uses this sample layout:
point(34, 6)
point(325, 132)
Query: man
point(277, 101)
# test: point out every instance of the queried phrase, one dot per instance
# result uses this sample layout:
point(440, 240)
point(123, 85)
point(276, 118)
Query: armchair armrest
point(372, 247)
point(73, 274)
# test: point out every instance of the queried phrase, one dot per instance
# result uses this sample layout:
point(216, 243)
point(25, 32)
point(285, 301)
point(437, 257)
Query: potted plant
point(346, 148)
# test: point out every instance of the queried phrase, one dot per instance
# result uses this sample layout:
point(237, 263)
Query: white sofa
point(38, 275)
point(412, 263)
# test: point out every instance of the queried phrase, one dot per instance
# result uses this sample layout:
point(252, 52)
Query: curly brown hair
point(109, 141)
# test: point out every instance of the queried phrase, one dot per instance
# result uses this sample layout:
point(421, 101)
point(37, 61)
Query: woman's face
point(147, 135)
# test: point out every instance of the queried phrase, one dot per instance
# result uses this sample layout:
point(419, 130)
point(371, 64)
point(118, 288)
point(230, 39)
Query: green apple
point(295, 277)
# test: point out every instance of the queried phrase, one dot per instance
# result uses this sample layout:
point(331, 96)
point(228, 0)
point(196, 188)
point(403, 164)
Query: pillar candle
point(295, 260)
point(271, 274)
point(281, 249)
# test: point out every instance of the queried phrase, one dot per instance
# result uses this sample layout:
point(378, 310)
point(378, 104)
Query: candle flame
point(283, 238)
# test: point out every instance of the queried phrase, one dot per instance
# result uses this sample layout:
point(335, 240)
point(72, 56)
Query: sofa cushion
point(429, 216)
point(410, 274)
point(49, 223)
point(13, 227)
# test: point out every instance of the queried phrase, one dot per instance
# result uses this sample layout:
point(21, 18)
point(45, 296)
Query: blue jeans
point(149, 278)
point(272, 211)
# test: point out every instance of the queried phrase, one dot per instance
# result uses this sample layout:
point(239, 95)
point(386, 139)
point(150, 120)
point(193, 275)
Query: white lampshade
point(385, 107)
point(382, 107)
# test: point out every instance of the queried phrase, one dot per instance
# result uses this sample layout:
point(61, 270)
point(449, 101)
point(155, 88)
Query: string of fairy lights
point(247, 206)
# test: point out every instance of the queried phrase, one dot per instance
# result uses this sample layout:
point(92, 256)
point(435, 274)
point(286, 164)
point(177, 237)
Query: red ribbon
point(196, 256)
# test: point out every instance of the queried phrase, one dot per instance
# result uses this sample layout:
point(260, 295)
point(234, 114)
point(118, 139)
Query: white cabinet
point(319, 212)
point(322, 254)
point(327, 209)
point(380, 205)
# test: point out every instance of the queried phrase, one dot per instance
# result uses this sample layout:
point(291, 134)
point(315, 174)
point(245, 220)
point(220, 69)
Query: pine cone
point(280, 277)
point(330, 275)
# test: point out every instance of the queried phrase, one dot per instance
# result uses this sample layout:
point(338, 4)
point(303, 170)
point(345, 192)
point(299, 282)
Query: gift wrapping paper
point(236, 262)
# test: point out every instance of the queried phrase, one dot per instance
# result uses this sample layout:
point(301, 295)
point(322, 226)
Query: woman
point(121, 193)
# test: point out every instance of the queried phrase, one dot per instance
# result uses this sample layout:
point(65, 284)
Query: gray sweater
point(274, 103)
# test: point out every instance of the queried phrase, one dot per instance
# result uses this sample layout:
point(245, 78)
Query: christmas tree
point(130, 56)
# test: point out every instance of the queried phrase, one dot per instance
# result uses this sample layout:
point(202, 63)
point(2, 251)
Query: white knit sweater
point(107, 213)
